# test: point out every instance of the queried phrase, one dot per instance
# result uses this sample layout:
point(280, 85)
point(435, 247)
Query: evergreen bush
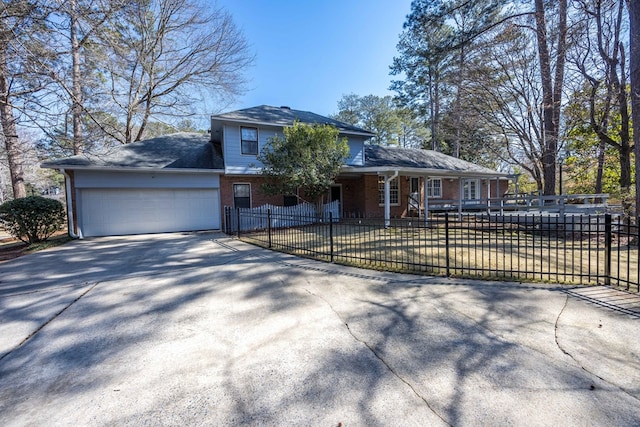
point(32, 219)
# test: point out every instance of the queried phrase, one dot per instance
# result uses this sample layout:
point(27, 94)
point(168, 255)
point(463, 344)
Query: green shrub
point(32, 219)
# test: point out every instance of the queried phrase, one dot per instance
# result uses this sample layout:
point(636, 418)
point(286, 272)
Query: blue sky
point(310, 53)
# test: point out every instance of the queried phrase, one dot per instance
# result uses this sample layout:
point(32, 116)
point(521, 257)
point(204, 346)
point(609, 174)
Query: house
point(376, 181)
point(181, 182)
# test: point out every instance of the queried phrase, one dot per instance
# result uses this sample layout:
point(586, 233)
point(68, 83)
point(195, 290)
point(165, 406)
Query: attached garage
point(108, 212)
point(165, 184)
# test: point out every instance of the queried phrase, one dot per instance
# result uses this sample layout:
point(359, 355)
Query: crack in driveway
point(51, 319)
point(577, 362)
point(378, 356)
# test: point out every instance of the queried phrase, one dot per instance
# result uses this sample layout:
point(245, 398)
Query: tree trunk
point(76, 107)
point(600, 171)
point(625, 138)
point(634, 58)
point(10, 132)
point(433, 110)
point(458, 105)
point(551, 91)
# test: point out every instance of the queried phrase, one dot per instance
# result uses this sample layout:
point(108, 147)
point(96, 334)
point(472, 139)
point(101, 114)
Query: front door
point(336, 194)
point(414, 195)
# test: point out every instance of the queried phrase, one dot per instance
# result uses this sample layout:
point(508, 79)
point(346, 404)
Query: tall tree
point(599, 54)
point(552, 78)
point(171, 54)
point(423, 62)
point(508, 100)
point(472, 28)
point(20, 55)
point(438, 54)
point(377, 114)
point(86, 30)
point(471, 18)
point(634, 53)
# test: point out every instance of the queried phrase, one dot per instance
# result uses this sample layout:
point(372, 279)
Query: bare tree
point(634, 47)
point(19, 81)
point(79, 29)
point(508, 98)
point(86, 21)
point(552, 85)
point(170, 54)
point(599, 55)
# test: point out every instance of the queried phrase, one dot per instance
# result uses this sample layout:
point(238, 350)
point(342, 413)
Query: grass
point(52, 242)
point(12, 248)
point(495, 252)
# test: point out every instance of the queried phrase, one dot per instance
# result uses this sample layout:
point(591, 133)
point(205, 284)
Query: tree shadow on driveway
point(202, 329)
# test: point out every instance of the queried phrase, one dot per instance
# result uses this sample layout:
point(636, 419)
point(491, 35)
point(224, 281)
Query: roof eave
point(265, 123)
point(423, 171)
point(131, 169)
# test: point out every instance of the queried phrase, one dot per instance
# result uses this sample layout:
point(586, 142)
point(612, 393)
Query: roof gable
point(175, 151)
point(285, 116)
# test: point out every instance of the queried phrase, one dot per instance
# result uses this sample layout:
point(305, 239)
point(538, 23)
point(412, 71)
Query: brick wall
point(257, 197)
point(359, 194)
point(353, 195)
point(365, 201)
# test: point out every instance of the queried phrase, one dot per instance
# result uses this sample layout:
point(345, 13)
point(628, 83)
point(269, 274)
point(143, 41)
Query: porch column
point(425, 197)
point(387, 198)
point(489, 195)
point(460, 188)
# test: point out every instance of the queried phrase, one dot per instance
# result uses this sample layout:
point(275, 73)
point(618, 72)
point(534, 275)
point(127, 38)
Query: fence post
point(607, 249)
point(226, 222)
point(446, 243)
point(269, 226)
point(238, 218)
point(331, 235)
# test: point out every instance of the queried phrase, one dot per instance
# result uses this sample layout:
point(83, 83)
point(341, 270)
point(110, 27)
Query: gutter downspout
point(387, 197)
point(70, 223)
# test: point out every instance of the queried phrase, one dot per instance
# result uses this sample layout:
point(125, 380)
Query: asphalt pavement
point(202, 329)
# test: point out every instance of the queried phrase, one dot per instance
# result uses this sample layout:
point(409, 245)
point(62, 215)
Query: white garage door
point(106, 212)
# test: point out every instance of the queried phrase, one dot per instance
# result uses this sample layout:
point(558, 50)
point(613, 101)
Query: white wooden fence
point(280, 216)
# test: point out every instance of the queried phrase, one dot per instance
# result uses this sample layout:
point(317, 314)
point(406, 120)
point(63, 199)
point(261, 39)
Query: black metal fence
point(584, 249)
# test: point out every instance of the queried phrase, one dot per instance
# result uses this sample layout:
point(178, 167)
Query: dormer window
point(249, 141)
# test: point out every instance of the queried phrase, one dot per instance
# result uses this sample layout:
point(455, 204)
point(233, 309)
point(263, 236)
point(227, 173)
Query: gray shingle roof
point(385, 156)
point(176, 151)
point(285, 116)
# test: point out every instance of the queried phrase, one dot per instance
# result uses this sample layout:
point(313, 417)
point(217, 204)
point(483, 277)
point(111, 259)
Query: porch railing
point(573, 203)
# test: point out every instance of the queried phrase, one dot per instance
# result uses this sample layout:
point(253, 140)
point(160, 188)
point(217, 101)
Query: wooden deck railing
point(584, 203)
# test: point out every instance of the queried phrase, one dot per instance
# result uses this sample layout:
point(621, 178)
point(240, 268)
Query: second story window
point(249, 141)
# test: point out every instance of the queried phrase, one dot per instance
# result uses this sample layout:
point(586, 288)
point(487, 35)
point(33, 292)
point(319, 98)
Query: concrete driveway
point(201, 329)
